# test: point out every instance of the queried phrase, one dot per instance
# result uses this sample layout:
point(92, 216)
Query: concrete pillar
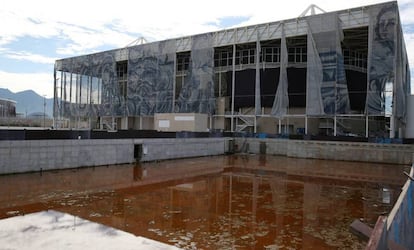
point(409, 131)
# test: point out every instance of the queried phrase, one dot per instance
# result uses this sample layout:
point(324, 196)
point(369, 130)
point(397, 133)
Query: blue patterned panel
point(197, 94)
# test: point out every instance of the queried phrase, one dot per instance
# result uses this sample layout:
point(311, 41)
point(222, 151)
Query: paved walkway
point(55, 230)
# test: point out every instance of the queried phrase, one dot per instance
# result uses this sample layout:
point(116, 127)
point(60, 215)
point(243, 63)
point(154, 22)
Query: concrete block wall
point(36, 155)
point(162, 149)
point(331, 150)
point(27, 156)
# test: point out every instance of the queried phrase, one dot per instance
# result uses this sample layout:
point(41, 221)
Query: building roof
point(7, 100)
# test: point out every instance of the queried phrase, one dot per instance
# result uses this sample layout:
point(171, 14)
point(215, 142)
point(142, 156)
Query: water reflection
point(240, 202)
point(139, 171)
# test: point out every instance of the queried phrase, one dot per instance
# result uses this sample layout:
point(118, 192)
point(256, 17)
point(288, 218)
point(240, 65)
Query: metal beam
point(351, 18)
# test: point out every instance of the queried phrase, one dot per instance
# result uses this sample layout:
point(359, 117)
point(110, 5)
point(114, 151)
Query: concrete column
point(124, 122)
point(306, 125)
point(280, 126)
point(409, 132)
point(392, 127)
point(233, 84)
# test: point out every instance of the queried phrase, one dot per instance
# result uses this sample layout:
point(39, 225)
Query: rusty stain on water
point(222, 202)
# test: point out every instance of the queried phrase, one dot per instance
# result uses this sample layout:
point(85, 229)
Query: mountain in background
point(28, 102)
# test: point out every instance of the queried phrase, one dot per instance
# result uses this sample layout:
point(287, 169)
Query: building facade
point(336, 73)
point(7, 108)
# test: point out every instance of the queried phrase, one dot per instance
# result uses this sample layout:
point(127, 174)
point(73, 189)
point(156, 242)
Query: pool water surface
point(221, 202)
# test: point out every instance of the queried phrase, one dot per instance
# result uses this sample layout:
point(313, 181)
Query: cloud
point(406, 8)
point(85, 40)
point(18, 25)
point(89, 25)
point(41, 83)
point(28, 56)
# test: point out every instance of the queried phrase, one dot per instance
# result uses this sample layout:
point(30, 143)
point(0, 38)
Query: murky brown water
point(224, 202)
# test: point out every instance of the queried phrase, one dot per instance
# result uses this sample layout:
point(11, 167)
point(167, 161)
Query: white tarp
point(314, 76)
point(326, 80)
point(281, 102)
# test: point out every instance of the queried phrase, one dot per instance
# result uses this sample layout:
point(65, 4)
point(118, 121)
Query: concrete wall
point(396, 230)
point(162, 149)
point(34, 155)
point(331, 150)
point(222, 104)
point(268, 125)
point(181, 122)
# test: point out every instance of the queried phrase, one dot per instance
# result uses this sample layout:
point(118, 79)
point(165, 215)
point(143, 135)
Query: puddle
point(224, 202)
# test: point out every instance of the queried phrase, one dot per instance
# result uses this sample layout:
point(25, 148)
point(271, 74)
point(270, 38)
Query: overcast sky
point(33, 34)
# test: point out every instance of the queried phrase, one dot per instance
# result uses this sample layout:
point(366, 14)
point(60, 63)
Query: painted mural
point(197, 93)
point(150, 78)
point(381, 59)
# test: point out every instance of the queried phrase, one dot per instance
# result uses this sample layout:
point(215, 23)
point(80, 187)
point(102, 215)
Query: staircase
point(328, 126)
point(109, 125)
point(245, 120)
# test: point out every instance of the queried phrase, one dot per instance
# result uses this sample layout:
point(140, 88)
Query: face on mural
point(386, 25)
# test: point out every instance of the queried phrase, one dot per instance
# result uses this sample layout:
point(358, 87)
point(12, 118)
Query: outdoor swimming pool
point(221, 202)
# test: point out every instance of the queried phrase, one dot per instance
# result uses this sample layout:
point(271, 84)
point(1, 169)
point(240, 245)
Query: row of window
point(78, 88)
point(269, 55)
point(355, 59)
point(248, 56)
point(7, 110)
point(83, 89)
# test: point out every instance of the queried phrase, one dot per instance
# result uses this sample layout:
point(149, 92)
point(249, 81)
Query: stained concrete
point(330, 150)
point(41, 155)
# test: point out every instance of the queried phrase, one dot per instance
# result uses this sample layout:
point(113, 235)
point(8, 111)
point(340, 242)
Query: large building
point(7, 108)
point(336, 73)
